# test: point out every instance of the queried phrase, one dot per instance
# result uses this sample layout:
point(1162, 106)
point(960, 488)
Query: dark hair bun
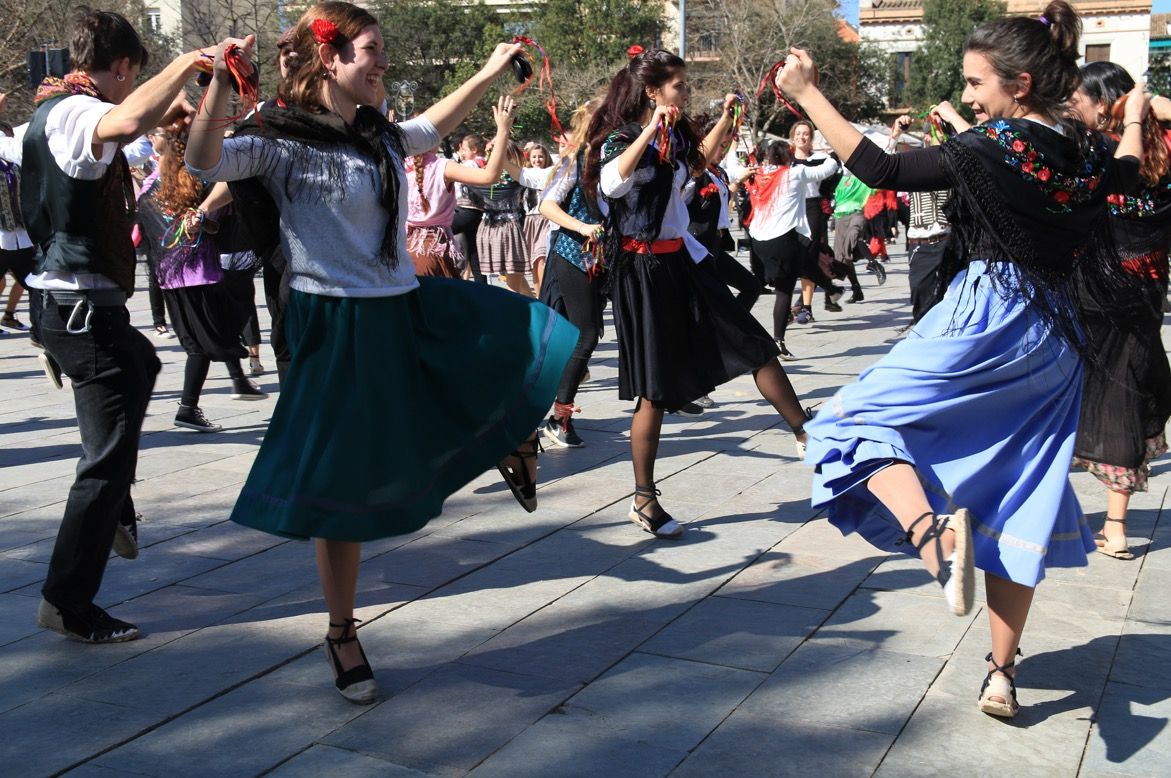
point(1065, 28)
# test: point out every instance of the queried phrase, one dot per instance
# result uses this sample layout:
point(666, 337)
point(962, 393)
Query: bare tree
point(740, 40)
point(33, 24)
point(207, 22)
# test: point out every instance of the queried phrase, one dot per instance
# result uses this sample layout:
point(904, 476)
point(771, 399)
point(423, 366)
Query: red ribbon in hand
point(546, 78)
point(770, 80)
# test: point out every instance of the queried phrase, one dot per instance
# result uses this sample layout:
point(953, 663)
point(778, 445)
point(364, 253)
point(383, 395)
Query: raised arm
point(157, 102)
point(206, 140)
point(1134, 114)
point(627, 161)
point(447, 114)
point(504, 114)
point(798, 80)
point(713, 145)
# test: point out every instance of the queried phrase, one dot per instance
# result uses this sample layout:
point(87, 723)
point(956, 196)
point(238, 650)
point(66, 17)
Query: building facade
point(1114, 30)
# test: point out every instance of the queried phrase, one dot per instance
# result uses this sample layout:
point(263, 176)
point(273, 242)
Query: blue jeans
point(112, 368)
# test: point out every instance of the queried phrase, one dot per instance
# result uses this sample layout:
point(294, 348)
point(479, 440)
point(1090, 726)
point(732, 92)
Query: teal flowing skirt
point(391, 404)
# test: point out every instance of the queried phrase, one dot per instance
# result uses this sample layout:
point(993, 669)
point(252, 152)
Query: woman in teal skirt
point(978, 406)
point(401, 390)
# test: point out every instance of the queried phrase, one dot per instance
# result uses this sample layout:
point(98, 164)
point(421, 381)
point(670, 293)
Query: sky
point(848, 9)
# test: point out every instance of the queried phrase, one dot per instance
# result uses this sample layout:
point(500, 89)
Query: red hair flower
point(325, 31)
point(634, 51)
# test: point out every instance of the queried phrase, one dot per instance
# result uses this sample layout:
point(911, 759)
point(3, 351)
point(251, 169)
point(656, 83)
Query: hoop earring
point(119, 78)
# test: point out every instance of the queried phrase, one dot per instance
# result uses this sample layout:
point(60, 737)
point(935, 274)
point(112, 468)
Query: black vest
point(81, 226)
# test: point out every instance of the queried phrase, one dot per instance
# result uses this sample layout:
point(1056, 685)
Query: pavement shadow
point(1124, 731)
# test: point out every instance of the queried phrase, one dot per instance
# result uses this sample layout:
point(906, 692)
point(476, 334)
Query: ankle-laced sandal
point(1113, 547)
point(956, 573)
point(799, 431)
point(516, 473)
point(356, 684)
point(998, 694)
point(661, 526)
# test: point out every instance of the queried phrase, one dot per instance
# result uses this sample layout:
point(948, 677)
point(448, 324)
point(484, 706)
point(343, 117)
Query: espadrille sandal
point(998, 694)
point(1113, 547)
point(958, 571)
point(661, 526)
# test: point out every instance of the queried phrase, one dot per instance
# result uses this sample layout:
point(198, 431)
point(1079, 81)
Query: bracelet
point(1127, 124)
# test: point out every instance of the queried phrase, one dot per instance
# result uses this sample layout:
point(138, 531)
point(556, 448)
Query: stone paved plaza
point(566, 642)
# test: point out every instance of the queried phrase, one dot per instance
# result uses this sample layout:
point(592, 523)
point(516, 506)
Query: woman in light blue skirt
point(957, 444)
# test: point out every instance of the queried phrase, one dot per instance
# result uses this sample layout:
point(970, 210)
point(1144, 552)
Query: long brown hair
point(178, 190)
point(306, 78)
point(626, 101)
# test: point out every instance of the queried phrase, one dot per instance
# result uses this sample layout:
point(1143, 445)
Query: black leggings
point(465, 223)
point(583, 307)
point(733, 274)
point(195, 373)
point(781, 258)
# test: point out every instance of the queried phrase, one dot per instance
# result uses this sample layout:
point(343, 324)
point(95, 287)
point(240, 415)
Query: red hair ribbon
point(770, 80)
point(546, 78)
point(325, 31)
point(634, 51)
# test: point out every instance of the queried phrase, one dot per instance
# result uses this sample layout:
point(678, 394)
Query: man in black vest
point(77, 202)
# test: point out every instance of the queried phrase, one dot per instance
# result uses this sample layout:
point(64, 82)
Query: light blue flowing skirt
point(983, 399)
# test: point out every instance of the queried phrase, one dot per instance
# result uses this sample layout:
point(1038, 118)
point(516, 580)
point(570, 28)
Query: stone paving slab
point(566, 642)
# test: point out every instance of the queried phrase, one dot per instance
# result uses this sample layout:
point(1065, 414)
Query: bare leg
point(1117, 504)
point(517, 283)
point(538, 276)
point(13, 298)
point(1008, 609)
point(337, 565)
point(898, 488)
point(645, 427)
point(807, 288)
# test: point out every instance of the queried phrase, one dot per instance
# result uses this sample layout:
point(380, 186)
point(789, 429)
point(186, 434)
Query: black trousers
point(924, 275)
point(464, 225)
point(583, 307)
point(112, 368)
point(735, 275)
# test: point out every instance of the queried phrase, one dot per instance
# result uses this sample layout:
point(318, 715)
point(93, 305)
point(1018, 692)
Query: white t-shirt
point(785, 212)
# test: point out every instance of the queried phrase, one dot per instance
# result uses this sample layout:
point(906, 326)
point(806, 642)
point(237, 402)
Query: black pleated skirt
point(680, 331)
point(1127, 397)
point(209, 319)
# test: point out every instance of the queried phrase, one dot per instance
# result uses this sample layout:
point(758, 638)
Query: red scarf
point(72, 84)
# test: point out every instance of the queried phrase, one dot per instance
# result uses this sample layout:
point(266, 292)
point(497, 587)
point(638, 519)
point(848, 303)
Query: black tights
point(782, 262)
point(583, 307)
point(195, 373)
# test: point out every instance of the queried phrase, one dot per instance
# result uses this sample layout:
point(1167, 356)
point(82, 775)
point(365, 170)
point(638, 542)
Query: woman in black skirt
point(1126, 404)
point(680, 331)
point(204, 308)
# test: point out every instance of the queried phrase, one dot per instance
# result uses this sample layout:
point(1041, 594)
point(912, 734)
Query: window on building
point(902, 72)
point(154, 20)
point(1098, 52)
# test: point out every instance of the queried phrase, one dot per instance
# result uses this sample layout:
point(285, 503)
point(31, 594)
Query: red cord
point(770, 80)
point(546, 78)
point(246, 83)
